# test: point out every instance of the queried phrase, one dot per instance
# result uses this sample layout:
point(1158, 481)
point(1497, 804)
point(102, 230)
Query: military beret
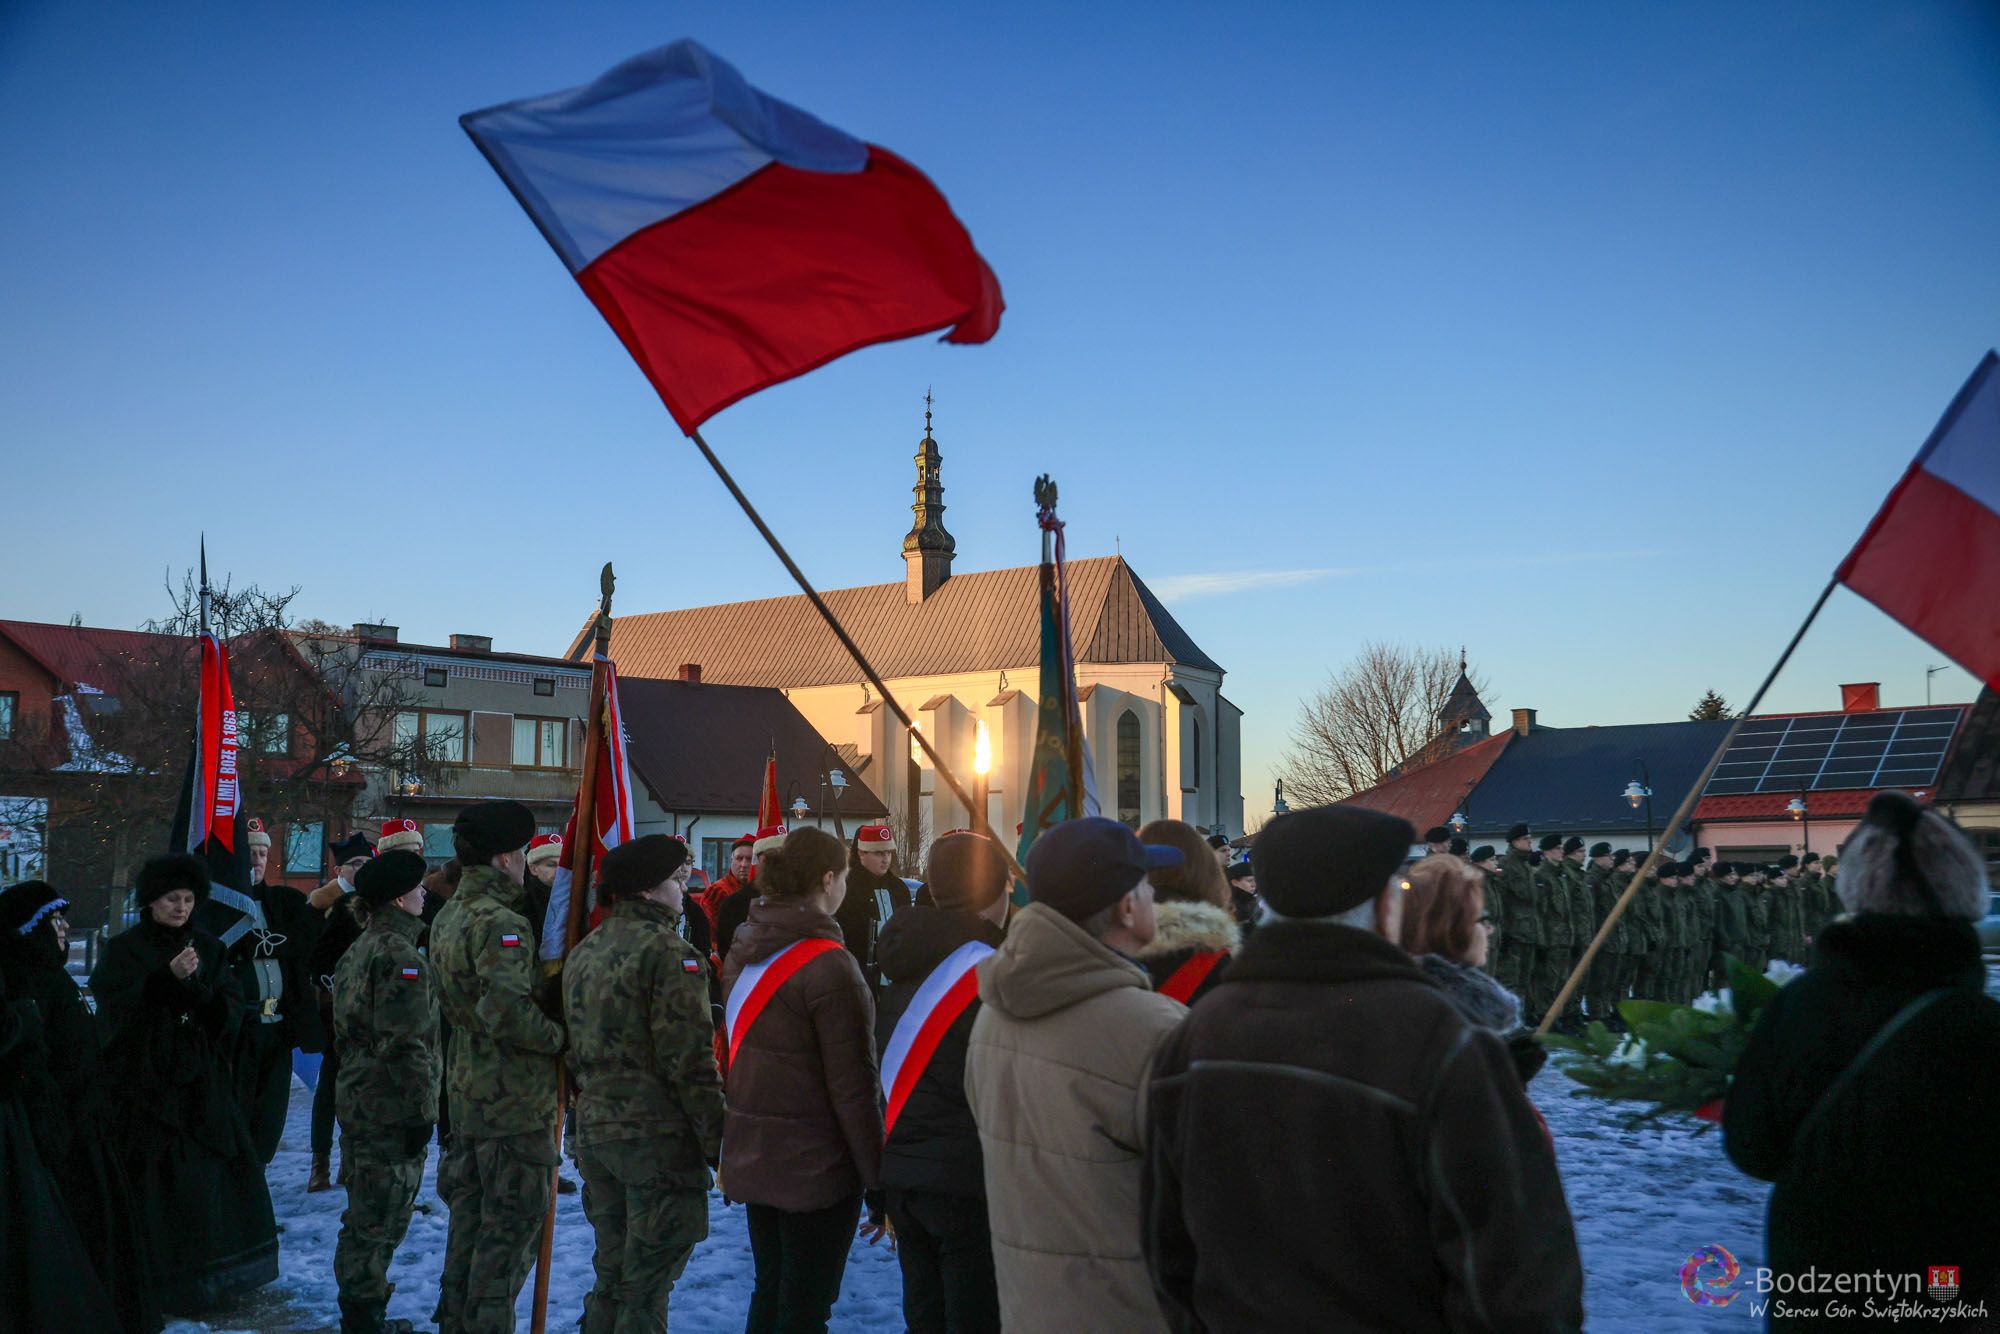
point(1240, 868)
point(390, 876)
point(1703, 854)
point(1572, 843)
point(490, 828)
point(1458, 846)
point(1437, 833)
point(630, 869)
point(1326, 859)
point(1788, 861)
point(1600, 850)
point(1218, 840)
point(1485, 852)
point(1809, 859)
point(1518, 832)
point(1623, 857)
point(1550, 842)
point(354, 845)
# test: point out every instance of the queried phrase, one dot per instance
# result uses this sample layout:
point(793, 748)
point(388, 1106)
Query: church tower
point(1464, 714)
point(928, 549)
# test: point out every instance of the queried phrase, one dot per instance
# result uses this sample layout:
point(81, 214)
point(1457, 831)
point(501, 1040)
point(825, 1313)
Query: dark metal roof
point(701, 747)
point(1571, 780)
point(982, 621)
point(1972, 773)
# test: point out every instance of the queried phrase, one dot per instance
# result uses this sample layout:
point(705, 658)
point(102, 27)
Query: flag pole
point(1681, 815)
point(902, 716)
point(579, 888)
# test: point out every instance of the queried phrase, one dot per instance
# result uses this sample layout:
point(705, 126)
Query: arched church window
point(1128, 768)
point(1197, 751)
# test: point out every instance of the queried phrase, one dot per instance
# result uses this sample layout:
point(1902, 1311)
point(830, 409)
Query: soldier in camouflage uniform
point(1643, 931)
point(1602, 983)
point(1669, 957)
point(1785, 930)
point(1706, 952)
point(1732, 914)
point(1558, 928)
point(1758, 904)
point(1583, 921)
point(385, 1024)
point(1486, 860)
point(649, 1108)
point(1520, 924)
point(501, 1073)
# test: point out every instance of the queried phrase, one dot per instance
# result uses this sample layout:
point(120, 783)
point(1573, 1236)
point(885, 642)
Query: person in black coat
point(170, 1010)
point(933, 1173)
point(1868, 1090)
point(64, 1095)
point(875, 893)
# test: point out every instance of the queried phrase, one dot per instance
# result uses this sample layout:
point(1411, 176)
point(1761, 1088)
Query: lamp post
point(837, 780)
point(982, 764)
point(1640, 792)
point(1278, 806)
point(1796, 808)
point(1457, 822)
point(798, 811)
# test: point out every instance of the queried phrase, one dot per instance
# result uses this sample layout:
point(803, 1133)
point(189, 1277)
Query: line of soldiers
point(1549, 901)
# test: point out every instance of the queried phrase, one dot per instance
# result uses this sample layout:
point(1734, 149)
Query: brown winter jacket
point(1398, 1181)
point(804, 1124)
point(1065, 1027)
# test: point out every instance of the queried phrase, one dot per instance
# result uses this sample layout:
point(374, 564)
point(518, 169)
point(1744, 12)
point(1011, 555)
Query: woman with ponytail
point(802, 1138)
point(1869, 1091)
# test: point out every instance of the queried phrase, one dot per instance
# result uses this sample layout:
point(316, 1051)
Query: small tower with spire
point(1464, 714)
point(928, 549)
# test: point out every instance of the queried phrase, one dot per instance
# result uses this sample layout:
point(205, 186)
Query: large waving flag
point(587, 837)
point(731, 239)
point(209, 823)
point(1931, 558)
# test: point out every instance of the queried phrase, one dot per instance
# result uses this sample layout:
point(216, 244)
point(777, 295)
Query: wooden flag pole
point(1680, 818)
point(579, 887)
point(958, 789)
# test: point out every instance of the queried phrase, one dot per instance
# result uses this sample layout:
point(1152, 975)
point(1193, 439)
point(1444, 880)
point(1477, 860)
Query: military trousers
point(647, 1227)
point(1552, 969)
point(383, 1177)
point(1606, 983)
point(498, 1191)
point(1511, 966)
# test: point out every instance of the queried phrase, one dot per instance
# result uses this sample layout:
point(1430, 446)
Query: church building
point(960, 651)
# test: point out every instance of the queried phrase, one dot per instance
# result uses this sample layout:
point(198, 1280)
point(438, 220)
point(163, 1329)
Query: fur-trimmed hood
point(1186, 927)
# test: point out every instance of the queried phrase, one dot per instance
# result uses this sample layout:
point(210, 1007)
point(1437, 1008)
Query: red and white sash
point(944, 996)
point(1185, 980)
point(759, 982)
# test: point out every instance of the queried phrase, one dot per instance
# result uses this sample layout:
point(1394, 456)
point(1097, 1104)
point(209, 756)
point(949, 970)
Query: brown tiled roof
point(86, 655)
point(1430, 795)
point(976, 622)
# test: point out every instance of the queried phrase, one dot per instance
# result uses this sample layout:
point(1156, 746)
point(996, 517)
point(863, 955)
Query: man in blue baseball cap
point(1066, 1022)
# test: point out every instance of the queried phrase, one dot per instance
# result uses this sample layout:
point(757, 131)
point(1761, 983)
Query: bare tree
point(1381, 713)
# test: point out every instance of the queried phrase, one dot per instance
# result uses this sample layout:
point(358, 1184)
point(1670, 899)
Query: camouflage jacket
point(1583, 918)
point(1552, 898)
point(642, 1046)
point(502, 1065)
point(1704, 915)
point(385, 1027)
point(1519, 917)
point(1605, 887)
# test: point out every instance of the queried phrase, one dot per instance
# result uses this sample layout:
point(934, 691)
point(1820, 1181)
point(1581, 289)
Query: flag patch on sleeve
point(412, 974)
point(508, 940)
point(690, 965)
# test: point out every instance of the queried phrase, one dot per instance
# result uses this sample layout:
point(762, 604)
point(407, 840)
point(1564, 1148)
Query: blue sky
point(1587, 335)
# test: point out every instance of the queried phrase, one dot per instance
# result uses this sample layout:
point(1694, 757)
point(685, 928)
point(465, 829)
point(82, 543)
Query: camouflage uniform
point(502, 1083)
point(1610, 970)
point(1732, 921)
point(385, 1026)
point(649, 1109)
point(1704, 952)
point(1782, 931)
point(1558, 953)
point(1644, 936)
point(1757, 916)
point(1522, 937)
point(1583, 921)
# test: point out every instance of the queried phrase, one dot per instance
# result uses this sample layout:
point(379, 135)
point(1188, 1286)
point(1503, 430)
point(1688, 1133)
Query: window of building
point(439, 733)
point(264, 734)
point(10, 706)
point(437, 840)
point(434, 677)
point(545, 686)
point(305, 849)
point(541, 743)
point(1196, 767)
point(1128, 768)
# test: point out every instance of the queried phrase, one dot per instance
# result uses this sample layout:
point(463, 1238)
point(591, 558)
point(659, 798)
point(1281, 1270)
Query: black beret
point(390, 876)
point(1703, 854)
point(1218, 840)
point(1600, 849)
point(1485, 852)
point(176, 870)
point(354, 845)
point(1809, 859)
point(1458, 847)
point(1788, 861)
point(1624, 857)
point(1437, 833)
point(630, 869)
point(1519, 831)
point(1240, 868)
point(1327, 859)
point(24, 906)
point(490, 828)
point(1572, 843)
point(1550, 842)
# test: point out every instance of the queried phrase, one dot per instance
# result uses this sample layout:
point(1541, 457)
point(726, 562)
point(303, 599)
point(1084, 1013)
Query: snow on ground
point(1643, 1200)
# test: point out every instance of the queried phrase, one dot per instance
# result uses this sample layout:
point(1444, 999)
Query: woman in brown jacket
point(802, 1138)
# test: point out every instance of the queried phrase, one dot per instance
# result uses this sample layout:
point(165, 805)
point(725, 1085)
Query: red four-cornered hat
point(399, 833)
point(544, 848)
point(874, 838)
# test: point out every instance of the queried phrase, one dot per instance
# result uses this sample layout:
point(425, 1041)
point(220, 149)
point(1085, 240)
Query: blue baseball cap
point(1081, 867)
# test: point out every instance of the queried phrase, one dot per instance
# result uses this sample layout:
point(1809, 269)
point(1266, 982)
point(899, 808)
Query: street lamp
point(798, 811)
point(1796, 808)
point(1457, 822)
point(1640, 792)
point(982, 764)
point(1278, 806)
point(837, 780)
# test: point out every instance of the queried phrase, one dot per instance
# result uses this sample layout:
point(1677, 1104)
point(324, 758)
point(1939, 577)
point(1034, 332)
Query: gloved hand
point(1528, 1055)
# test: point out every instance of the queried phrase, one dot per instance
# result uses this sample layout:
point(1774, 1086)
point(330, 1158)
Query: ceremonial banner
point(608, 824)
point(1058, 782)
point(730, 239)
point(769, 814)
point(1931, 558)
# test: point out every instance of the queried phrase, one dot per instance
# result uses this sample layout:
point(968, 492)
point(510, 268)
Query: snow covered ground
point(1643, 1200)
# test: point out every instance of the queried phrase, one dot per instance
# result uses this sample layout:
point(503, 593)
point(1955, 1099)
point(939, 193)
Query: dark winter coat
point(935, 1146)
point(1190, 934)
point(292, 929)
point(804, 1126)
point(861, 920)
point(1901, 1169)
point(1398, 1179)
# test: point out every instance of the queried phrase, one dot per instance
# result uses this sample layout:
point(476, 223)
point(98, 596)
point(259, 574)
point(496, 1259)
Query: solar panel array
point(1838, 750)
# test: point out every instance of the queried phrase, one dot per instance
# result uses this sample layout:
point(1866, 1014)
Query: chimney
point(928, 549)
point(1524, 721)
point(1861, 697)
point(472, 643)
point(689, 672)
point(368, 630)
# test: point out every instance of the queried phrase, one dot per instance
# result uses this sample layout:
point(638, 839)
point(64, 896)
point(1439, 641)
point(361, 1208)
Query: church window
point(1128, 768)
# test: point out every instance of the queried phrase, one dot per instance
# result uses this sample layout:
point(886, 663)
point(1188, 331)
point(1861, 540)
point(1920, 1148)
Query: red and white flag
point(1931, 558)
point(609, 824)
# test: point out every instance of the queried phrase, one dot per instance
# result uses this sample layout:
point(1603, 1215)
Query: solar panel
point(1849, 750)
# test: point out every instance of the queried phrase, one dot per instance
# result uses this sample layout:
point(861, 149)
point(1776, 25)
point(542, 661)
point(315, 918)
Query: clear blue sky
point(1589, 335)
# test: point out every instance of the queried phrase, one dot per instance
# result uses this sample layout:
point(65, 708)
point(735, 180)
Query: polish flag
point(1931, 558)
point(731, 239)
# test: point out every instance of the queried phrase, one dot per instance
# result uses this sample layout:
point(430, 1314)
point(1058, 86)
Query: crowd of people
point(1163, 1088)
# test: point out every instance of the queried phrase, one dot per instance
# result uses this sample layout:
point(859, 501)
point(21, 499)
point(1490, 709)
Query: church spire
point(928, 549)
